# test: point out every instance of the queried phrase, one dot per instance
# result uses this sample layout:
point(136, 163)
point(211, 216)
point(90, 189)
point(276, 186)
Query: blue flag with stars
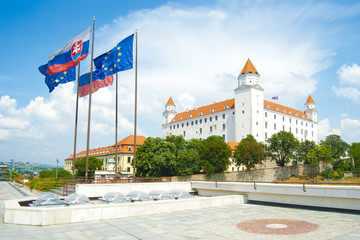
point(120, 58)
point(53, 80)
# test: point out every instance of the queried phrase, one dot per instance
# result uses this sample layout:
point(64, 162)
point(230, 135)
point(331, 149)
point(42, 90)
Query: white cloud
point(348, 92)
point(350, 129)
point(349, 74)
point(186, 101)
point(325, 130)
point(344, 115)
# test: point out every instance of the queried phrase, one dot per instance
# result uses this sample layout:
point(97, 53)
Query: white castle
point(247, 113)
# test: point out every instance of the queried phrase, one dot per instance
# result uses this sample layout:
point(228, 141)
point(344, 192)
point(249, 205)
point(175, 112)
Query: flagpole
point(89, 111)
point(135, 115)
point(116, 125)
point(76, 121)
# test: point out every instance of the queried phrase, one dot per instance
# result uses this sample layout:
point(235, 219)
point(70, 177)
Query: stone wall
point(265, 174)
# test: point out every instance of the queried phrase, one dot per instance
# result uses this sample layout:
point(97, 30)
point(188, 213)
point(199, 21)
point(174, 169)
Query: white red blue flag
point(99, 81)
point(275, 98)
point(73, 52)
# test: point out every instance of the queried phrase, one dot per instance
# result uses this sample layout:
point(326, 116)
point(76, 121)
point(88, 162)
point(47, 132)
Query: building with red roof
point(247, 113)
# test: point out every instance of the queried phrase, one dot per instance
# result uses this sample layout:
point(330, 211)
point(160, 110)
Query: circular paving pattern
point(276, 226)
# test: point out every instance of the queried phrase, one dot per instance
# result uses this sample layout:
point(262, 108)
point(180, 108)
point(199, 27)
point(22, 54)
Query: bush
point(332, 174)
point(44, 184)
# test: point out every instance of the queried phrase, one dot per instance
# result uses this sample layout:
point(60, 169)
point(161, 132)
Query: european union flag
point(53, 80)
point(120, 58)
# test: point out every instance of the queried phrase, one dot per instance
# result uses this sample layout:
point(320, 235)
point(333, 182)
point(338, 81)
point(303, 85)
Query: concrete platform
point(214, 223)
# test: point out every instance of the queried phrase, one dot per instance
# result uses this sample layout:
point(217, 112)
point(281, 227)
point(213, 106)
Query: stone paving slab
point(214, 223)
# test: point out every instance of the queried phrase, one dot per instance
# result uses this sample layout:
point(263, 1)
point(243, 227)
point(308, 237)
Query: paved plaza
point(248, 221)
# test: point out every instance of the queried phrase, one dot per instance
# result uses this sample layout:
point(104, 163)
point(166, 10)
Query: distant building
point(247, 113)
point(125, 156)
point(3, 172)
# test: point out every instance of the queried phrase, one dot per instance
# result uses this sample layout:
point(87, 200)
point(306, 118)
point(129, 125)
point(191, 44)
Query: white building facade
point(247, 113)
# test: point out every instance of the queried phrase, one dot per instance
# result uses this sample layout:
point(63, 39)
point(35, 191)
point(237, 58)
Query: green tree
point(303, 149)
point(214, 155)
point(249, 153)
point(93, 164)
point(61, 173)
point(337, 145)
point(354, 152)
point(281, 147)
point(188, 161)
point(319, 154)
point(155, 158)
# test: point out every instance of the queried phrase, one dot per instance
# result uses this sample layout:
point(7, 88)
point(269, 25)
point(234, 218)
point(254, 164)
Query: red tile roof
point(123, 144)
point(170, 102)
point(230, 104)
point(310, 100)
point(249, 67)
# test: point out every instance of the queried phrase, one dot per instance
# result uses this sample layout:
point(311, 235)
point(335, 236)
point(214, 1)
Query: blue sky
point(190, 50)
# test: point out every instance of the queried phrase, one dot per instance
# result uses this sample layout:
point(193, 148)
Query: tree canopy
point(214, 155)
point(61, 173)
point(93, 164)
point(249, 153)
point(337, 145)
point(281, 147)
point(354, 152)
point(302, 151)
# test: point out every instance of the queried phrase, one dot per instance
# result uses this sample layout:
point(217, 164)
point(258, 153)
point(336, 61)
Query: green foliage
point(330, 174)
point(15, 174)
point(302, 151)
point(249, 153)
point(354, 152)
point(61, 173)
point(337, 145)
point(44, 184)
point(281, 147)
point(93, 164)
point(155, 158)
point(214, 155)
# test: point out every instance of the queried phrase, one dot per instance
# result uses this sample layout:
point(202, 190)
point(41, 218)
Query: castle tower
point(170, 111)
point(249, 104)
point(310, 109)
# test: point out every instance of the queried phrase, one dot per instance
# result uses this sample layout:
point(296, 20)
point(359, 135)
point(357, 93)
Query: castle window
point(129, 159)
point(196, 122)
point(266, 114)
point(128, 169)
point(187, 124)
point(306, 124)
point(283, 128)
point(212, 110)
point(243, 111)
point(170, 127)
point(200, 130)
point(200, 113)
point(129, 148)
point(224, 126)
point(296, 122)
point(296, 114)
point(284, 111)
point(223, 116)
point(277, 109)
point(268, 106)
point(192, 123)
point(290, 120)
point(274, 116)
point(283, 119)
point(177, 126)
point(274, 126)
point(223, 136)
point(226, 107)
point(290, 112)
point(200, 121)
point(180, 118)
point(184, 133)
point(210, 128)
point(301, 123)
point(182, 125)
point(205, 120)
point(210, 119)
point(296, 130)
point(266, 136)
point(265, 124)
point(190, 116)
point(216, 118)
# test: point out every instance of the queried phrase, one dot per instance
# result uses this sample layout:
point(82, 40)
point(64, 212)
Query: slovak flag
point(275, 98)
point(73, 52)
